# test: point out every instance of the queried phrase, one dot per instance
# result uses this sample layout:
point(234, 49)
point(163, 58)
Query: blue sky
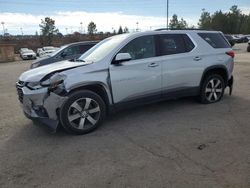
point(144, 10)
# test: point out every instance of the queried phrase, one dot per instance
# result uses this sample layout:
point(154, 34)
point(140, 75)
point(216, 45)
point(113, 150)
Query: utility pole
point(167, 12)
point(21, 31)
point(81, 27)
point(3, 28)
point(137, 28)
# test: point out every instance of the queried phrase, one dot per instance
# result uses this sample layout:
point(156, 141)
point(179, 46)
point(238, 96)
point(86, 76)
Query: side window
point(140, 48)
point(84, 48)
point(172, 44)
point(216, 40)
point(71, 50)
point(189, 44)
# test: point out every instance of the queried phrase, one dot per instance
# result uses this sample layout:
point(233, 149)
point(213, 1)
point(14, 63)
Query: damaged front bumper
point(40, 104)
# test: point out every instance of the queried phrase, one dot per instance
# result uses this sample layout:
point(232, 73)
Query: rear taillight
point(231, 53)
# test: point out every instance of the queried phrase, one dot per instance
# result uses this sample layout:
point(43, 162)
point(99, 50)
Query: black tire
point(248, 48)
point(68, 110)
point(207, 95)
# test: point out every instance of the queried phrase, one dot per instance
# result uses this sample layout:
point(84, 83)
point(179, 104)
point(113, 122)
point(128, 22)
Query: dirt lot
point(151, 146)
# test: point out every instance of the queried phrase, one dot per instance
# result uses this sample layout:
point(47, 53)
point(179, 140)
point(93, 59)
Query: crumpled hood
point(35, 75)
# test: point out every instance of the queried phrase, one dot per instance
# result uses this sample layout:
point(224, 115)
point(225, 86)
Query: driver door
point(139, 77)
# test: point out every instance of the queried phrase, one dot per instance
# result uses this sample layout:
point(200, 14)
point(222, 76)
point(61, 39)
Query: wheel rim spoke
point(215, 96)
point(94, 110)
point(74, 117)
point(208, 90)
point(210, 96)
point(81, 123)
point(91, 120)
point(77, 106)
point(88, 101)
point(212, 83)
point(218, 90)
point(217, 84)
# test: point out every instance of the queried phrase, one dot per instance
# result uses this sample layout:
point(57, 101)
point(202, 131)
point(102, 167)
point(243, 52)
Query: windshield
point(103, 48)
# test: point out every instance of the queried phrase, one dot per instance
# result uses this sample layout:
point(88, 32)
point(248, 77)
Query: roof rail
point(163, 29)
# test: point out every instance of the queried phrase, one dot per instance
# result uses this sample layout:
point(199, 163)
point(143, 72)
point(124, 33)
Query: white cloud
point(245, 10)
point(71, 20)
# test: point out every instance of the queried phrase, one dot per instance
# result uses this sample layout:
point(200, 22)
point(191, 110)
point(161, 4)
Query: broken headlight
point(54, 81)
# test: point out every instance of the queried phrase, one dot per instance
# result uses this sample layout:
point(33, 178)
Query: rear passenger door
point(181, 67)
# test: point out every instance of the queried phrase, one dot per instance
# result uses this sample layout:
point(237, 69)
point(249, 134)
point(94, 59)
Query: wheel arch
point(96, 87)
point(219, 69)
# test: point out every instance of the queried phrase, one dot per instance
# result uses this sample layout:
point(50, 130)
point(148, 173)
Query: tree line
point(231, 22)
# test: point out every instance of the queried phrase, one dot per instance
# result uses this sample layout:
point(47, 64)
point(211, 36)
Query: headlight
point(54, 81)
point(34, 65)
point(34, 85)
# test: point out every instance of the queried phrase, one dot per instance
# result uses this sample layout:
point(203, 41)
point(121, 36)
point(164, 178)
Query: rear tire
point(248, 48)
point(212, 89)
point(82, 112)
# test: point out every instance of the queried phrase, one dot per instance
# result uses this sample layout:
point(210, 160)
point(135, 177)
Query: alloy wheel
point(214, 90)
point(84, 113)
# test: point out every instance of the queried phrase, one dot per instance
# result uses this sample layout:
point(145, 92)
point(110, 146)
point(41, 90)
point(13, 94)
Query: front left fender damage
point(42, 105)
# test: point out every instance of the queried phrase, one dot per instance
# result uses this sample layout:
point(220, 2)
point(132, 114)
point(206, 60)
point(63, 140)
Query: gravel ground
point(178, 143)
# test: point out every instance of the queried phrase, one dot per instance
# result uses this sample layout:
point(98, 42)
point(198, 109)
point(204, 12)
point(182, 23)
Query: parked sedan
point(28, 54)
point(49, 50)
point(67, 52)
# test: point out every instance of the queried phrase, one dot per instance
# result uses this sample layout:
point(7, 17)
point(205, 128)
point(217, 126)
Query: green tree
point(48, 30)
point(176, 24)
point(205, 20)
point(120, 31)
point(125, 30)
point(92, 28)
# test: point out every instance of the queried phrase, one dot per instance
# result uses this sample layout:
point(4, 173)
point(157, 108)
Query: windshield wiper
point(77, 60)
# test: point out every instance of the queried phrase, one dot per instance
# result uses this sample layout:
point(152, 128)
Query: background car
point(49, 49)
point(28, 54)
point(67, 52)
point(241, 39)
point(23, 50)
point(39, 52)
point(230, 39)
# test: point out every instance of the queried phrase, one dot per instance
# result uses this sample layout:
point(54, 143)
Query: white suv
point(126, 70)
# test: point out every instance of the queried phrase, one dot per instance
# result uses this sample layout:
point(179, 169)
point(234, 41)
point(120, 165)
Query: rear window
point(175, 44)
point(216, 40)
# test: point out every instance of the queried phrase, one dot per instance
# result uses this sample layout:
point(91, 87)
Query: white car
point(40, 52)
point(48, 50)
point(127, 70)
point(23, 50)
point(28, 54)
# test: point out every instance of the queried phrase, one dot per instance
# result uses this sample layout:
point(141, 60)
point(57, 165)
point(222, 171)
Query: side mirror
point(122, 57)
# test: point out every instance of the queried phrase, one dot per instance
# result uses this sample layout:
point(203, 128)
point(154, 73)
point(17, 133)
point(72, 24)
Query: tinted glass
point(71, 50)
point(84, 48)
point(172, 44)
point(140, 48)
point(216, 40)
point(189, 44)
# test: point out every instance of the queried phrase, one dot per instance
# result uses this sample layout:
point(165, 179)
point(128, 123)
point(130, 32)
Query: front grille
point(19, 86)
point(30, 56)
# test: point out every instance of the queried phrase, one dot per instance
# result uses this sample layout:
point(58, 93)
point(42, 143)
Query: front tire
point(212, 89)
point(82, 112)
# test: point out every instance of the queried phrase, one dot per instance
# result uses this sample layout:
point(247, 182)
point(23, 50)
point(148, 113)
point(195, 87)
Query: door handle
point(197, 58)
point(153, 65)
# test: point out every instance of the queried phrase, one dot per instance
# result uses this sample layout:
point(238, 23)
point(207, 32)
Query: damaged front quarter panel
point(42, 105)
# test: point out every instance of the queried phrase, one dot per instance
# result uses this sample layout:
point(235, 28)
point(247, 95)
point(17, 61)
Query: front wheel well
point(96, 88)
point(217, 70)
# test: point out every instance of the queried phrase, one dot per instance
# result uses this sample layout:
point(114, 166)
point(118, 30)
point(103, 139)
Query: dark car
point(241, 39)
point(230, 40)
point(67, 52)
